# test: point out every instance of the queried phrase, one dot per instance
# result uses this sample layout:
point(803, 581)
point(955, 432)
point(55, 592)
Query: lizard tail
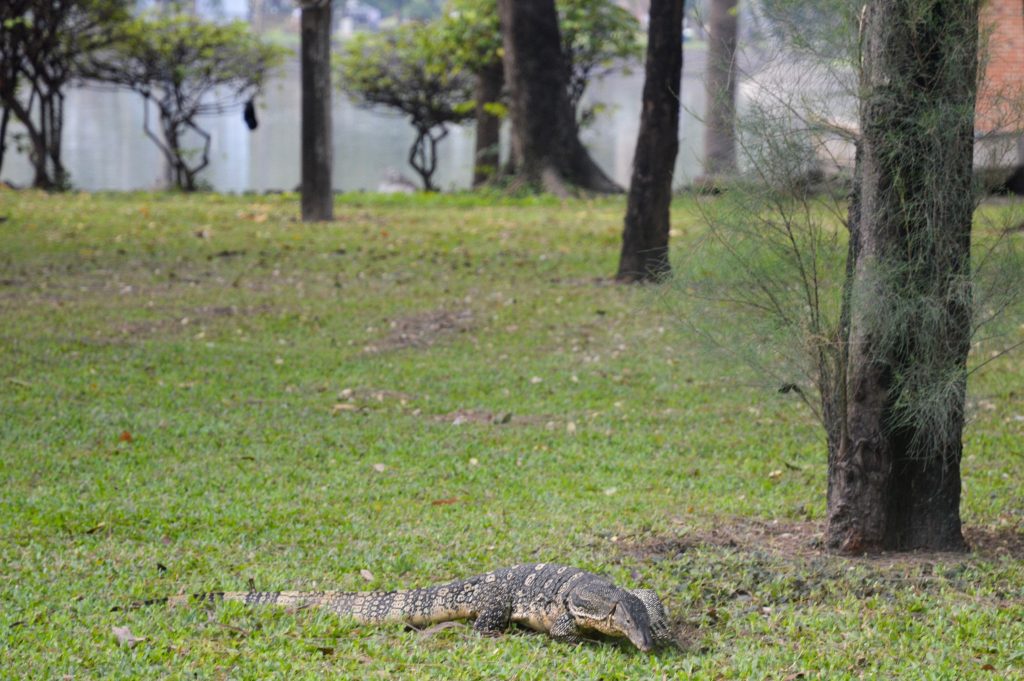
point(174, 601)
point(416, 606)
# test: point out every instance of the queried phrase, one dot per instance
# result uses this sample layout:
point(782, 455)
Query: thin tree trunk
point(645, 236)
point(545, 140)
point(44, 137)
point(720, 123)
point(55, 123)
point(317, 149)
point(894, 481)
point(257, 13)
point(489, 83)
point(5, 118)
point(41, 150)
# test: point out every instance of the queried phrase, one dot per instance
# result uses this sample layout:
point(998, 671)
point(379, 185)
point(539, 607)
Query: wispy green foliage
point(828, 29)
point(779, 240)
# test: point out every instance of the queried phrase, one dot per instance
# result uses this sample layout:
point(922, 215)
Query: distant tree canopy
point(405, 70)
point(598, 37)
point(821, 27)
point(437, 73)
point(43, 44)
point(188, 68)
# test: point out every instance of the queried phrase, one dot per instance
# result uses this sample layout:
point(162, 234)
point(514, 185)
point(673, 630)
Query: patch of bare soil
point(775, 537)
point(995, 542)
point(422, 330)
point(805, 540)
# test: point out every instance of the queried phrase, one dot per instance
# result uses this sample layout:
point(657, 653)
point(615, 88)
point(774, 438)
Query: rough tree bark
point(545, 141)
point(645, 236)
point(489, 83)
point(894, 478)
point(317, 142)
point(720, 123)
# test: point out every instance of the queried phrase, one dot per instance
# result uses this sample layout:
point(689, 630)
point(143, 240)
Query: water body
point(105, 147)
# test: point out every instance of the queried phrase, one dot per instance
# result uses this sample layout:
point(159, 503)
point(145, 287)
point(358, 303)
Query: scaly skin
point(566, 602)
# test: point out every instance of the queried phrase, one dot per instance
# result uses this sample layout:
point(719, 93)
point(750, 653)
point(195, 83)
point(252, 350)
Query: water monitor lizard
point(566, 602)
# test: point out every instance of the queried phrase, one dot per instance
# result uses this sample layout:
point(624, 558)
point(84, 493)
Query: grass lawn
point(196, 391)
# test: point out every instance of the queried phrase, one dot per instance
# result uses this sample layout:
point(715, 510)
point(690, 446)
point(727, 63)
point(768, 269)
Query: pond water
point(105, 147)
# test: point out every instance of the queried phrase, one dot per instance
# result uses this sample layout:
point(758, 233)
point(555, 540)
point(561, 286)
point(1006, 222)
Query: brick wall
point(1002, 90)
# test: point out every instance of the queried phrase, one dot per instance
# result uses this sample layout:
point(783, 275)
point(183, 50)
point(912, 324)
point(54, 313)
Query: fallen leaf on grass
point(444, 502)
point(366, 574)
point(126, 638)
point(125, 436)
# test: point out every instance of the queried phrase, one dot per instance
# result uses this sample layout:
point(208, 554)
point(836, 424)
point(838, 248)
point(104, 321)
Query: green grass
point(308, 401)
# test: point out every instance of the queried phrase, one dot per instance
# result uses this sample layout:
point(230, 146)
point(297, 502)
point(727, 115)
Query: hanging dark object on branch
point(249, 115)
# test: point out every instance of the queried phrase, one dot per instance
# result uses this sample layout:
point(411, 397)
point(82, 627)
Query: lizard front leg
point(564, 630)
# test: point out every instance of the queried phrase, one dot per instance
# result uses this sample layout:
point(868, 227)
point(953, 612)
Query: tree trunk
point(489, 83)
point(5, 117)
point(45, 138)
point(894, 479)
point(423, 155)
point(317, 143)
point(545, 141)
point(720, 123)
point(645, 236)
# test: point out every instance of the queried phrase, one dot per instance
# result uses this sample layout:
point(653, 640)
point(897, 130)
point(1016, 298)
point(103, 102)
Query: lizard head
point(603, 607)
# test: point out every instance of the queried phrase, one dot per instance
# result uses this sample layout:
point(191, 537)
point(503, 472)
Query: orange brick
point(1002, 90)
